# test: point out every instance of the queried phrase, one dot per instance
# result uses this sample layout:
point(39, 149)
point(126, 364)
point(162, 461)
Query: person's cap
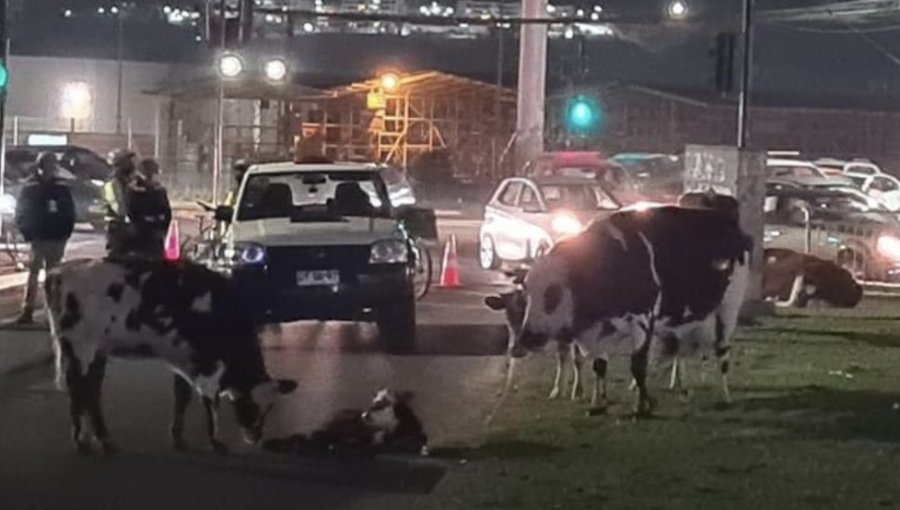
point(122, 158)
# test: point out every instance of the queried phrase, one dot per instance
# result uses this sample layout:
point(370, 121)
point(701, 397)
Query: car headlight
point(7, 204)
point(389, 251)
point(889, 246)
point(244, 254)
point(566, 224)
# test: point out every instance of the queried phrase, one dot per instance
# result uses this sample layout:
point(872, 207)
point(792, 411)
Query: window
point(510, 194)
point(577, 196)
point(528, 200)
point(314, 196)
point(884, 184)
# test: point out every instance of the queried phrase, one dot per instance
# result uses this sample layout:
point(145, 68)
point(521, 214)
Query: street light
point(390, 82)
point(231, 65)
point(275, 69)
point(76, 102)
point(677, 9)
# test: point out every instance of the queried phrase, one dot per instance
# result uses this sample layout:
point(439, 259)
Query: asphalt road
point(455, 374)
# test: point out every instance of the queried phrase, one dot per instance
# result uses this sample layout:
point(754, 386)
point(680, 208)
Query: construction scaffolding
point(410, 115)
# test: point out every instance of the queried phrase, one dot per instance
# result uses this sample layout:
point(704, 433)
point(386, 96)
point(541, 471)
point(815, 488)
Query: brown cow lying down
point(795, 279)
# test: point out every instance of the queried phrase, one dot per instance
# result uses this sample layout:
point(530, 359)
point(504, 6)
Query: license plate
point(320, 277)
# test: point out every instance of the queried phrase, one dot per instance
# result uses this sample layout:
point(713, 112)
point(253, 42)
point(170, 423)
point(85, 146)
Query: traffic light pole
point(529, 142)
point(746, 66)
point(4, 57)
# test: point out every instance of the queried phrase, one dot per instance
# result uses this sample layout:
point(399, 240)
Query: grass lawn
point(815, 424)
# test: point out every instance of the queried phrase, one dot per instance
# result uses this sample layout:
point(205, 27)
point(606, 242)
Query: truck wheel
point(397, 326)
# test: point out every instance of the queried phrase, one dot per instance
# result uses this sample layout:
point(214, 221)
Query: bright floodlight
point(390, 82)
point(230, 65)
point(677, 9)
point(76, 100)
point(276, 69)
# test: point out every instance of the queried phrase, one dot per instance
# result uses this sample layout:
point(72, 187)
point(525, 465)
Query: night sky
point(796, 63)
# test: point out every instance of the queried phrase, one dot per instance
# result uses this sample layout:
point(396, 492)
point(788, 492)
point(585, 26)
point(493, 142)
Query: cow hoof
point(645, 408)
point(109, 448)
point(722, 406)
point(84, 448)
point(554, 394)
point(597, 410)
point(219, 447)
point(179, 445)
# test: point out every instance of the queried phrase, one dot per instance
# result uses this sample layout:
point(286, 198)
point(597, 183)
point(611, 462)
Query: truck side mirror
point(224, 213)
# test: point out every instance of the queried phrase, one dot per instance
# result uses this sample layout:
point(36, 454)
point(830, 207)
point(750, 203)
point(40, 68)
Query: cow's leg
point(76, 384)
point(183, 393)
point(95, 375)
point(643, 334)
point(211, 406)
point(577, 359)
point(561, 354)
point(598, 395)
point(723, 349)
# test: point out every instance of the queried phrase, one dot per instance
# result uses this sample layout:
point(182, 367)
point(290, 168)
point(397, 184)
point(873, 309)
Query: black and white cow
point(181, 313)
point(668, 271)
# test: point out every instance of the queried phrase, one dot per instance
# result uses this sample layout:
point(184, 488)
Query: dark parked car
point(84, 171)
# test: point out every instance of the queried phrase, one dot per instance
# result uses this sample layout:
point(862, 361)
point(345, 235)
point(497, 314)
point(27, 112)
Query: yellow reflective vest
point(115, 201)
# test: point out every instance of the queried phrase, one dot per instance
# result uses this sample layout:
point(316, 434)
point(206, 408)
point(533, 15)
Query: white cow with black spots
point(181, 313)
point(668, 272)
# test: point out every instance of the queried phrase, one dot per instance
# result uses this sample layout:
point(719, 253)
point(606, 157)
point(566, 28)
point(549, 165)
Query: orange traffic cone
point(450, 269)
point(172, 244)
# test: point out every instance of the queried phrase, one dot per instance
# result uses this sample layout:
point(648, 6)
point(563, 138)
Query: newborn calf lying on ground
point(389, 426)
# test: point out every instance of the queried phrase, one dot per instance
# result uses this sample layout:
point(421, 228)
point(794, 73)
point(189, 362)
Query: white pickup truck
point(321, 241)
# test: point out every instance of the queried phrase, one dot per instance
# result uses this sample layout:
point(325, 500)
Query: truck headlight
point(889, 246)
point(566, 224)
point(389, 251)
point(244, 254)
point(7, 204)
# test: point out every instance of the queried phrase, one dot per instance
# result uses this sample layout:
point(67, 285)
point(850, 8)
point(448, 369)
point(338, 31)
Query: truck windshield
point(314, 196)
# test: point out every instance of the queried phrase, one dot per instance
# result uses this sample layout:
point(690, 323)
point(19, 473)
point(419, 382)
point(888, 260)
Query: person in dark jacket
point(148, 211)
point(45, 214)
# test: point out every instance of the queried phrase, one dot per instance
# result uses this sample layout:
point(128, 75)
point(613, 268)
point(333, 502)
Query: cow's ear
point(495, 302)
point(285, 386)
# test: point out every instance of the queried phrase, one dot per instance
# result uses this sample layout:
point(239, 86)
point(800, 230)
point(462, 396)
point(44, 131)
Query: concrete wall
point(36, 85)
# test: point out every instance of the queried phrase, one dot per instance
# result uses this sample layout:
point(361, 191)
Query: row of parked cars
point(845, 211)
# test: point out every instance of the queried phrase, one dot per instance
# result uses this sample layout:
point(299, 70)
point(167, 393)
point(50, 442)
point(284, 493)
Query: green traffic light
point(4, 76)
point(583, 114)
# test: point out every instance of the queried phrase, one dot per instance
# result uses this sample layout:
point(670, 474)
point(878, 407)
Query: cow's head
point(709, 199)
point(252, 406)
point(386, 412)
point(548, 306)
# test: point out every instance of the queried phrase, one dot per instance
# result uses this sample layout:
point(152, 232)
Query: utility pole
point(746, 69)
point(218, 151)
point(4, 56)
point(529, 142)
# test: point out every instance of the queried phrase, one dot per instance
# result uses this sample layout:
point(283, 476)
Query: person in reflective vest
point(115, 200)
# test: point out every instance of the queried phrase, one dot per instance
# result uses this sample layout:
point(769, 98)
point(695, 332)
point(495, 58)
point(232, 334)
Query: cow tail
point(52, 305)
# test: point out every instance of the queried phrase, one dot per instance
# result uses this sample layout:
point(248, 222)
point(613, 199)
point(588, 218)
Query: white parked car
point(322, 241)
point(884, 187)
point(526, 216)
point(835, 167)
